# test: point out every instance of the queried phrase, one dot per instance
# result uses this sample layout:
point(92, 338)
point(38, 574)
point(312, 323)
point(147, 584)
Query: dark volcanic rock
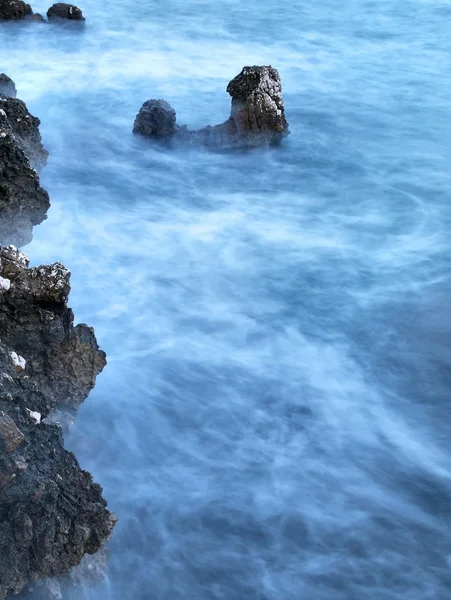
point(51, 512)
point(257, 116)
point(258, 113)
point(7, 86)
point(11, 10)
point(62, 360)
point(155, 119)
point(15, 116)
point(23, 203)
point(64, 11)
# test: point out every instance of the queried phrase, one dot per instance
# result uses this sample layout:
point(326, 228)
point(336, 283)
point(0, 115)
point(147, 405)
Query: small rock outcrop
point(7, 86)
point(23, 202)
point(52, 512)
point(15, 117)
point(61, 10)
point(62, 360)
point(257, 116)
point(36, 18)
point(156, 119)
point(12, 10)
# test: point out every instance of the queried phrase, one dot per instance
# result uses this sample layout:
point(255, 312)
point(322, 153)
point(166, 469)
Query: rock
point(64, 11)
point(52, 511)
point(15, 118)
point(10, 434)
point(16, 361)
point(156, 118)
point(36, 17)
point(23, 203)
point(7, 86)
point(11, 10)
point(258, 113)
point(63, 360)
point(257, 117)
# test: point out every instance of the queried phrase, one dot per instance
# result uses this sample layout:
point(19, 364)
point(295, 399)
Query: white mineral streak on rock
point(34, 416)
point(5, 284)
point(17, 361)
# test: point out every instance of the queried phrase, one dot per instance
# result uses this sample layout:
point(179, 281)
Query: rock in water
point(155, 119)
point(23, 202)
point(7, 86)
point(52, 511)
point(61, 10)
point(33, 309)
point(15, 116)
point(258, 113)
point(257, 116)
point(36, 17)
point(12, 10)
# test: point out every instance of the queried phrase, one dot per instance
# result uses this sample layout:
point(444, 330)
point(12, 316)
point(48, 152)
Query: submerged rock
point(7, 86)
point(257, 116)
point(52, 512)
point(61, 10)
point(36, 17)
point(12, 10)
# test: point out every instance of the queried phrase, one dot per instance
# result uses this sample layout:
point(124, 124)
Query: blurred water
point(274, 422)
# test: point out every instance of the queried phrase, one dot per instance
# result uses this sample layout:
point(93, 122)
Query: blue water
point(275, 419)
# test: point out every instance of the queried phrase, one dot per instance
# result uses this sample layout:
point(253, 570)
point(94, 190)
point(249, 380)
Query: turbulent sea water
point(275, 421)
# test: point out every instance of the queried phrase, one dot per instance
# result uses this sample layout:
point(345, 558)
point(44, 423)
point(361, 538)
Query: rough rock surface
point(155, 119)
point(7, 86)
point(11, 10)
point(61, 10)
point(23, 203)
point(51, 511)
point(257, 116)
point(62, 360)
point(16, 118)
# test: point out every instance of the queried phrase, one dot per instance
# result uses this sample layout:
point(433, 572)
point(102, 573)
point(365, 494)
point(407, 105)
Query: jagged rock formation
point(51, 511)
point(12, 10)
point(62, 360)
point(7, 86)
point(257, 116)
point(61, 10)
point(23, 202)
point(15, 117)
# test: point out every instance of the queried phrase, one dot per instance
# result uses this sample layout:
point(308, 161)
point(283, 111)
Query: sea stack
point(257, 116)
